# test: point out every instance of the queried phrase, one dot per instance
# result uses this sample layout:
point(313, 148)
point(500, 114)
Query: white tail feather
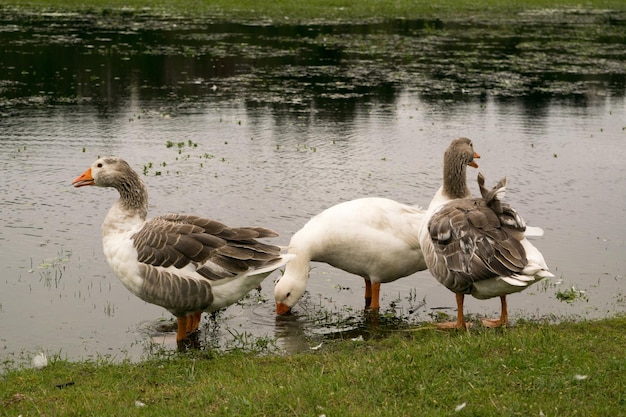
point(545, 274)
point(533, 231)
point(518, 281)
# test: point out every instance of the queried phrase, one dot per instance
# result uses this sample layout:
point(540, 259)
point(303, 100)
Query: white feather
point(40, 360)
point(533, 231)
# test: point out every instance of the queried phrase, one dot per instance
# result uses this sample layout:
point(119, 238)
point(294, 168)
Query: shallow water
point(261, 125)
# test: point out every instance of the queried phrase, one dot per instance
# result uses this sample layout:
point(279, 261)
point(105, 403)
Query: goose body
point(183, 263)
point(375, 238)
point(477, 246)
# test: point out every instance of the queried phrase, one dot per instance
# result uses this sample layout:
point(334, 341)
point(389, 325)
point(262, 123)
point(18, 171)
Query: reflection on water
point(107, 59)
point(262, 125)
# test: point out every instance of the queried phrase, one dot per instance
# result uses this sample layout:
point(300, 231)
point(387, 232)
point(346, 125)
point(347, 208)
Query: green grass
point(296, 10)
point(567, 369)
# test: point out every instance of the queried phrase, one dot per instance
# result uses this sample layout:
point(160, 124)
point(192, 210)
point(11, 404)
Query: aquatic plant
point(571, 294)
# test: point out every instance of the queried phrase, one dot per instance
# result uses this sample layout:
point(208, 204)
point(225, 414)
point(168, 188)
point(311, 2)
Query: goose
point(477, 246)
point(375, 238)
point(183, 263)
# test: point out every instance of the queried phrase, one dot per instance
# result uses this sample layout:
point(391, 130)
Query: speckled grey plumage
point(215, 251)
point(479, 239)
point(457, 156)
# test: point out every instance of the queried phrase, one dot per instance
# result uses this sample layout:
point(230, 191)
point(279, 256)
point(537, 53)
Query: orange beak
point(474, 164)
point(85, 179)
point(282, 309)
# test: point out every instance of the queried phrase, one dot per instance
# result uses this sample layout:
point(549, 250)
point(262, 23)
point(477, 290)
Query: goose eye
point(288, 295)
point(99, 165)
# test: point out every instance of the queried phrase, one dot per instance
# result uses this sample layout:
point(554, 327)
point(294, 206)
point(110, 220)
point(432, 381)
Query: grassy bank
point(308, 10)
point(532, 369)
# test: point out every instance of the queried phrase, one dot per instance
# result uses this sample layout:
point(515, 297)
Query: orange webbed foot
point(454, 325)
point(493, 323)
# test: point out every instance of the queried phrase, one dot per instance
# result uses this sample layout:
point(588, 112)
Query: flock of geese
point(190, 265)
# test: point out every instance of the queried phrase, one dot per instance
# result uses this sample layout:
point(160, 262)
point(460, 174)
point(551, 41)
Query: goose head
point(290, 287)
point(114, 172)
point(461, 153)
point(109, 171)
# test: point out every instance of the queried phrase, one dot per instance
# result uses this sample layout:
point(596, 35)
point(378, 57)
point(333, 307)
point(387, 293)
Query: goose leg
point(194, 321)
point(187, 325)
point(368, 293)
point(460, 317)
point(375, 304)
point(372, 295)
point(504, 316)
point(181, 332)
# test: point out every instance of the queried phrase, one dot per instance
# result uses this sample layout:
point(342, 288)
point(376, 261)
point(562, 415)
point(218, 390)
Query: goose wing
point(476, 242)
point(213, 249)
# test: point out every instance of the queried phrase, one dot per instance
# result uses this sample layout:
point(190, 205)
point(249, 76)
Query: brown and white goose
point(375, 238)
point(477, 246)
point(186, 264)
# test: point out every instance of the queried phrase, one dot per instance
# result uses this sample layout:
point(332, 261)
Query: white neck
point(118, 220)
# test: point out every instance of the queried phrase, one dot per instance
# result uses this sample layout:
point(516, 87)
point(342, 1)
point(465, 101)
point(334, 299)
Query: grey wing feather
point(474, 242)
point(216, 250)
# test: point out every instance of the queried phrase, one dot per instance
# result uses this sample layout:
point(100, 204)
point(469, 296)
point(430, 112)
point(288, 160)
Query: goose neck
point(133, 195)
point(455, 179)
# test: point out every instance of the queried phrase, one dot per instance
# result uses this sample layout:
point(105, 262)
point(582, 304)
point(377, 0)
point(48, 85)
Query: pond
point(260, 124)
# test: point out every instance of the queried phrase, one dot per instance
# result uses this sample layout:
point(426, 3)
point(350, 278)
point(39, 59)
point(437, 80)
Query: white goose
point(375, 238)
point(477, 246)
point(184, 263)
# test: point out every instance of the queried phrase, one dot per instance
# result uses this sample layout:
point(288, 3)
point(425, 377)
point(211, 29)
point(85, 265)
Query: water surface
point(269, 125)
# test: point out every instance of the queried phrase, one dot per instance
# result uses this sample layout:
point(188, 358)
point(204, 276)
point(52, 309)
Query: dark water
point(268, 125)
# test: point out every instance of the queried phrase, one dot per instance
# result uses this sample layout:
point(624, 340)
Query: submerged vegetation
point(303, 54)
point(320, 10)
